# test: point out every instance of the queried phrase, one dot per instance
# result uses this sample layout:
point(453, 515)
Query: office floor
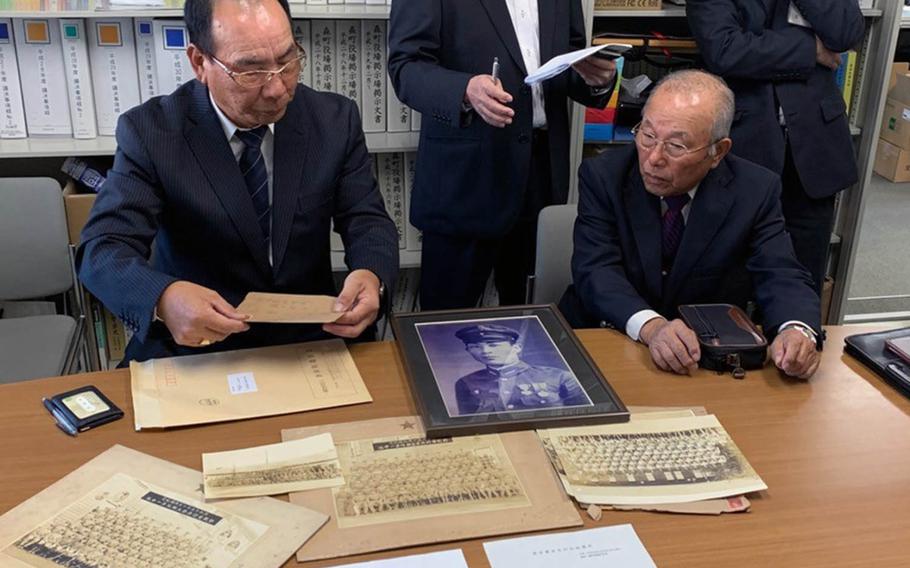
point(881, 276)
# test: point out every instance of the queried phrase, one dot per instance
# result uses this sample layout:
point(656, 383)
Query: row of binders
point(75, 77)
point(394, 172)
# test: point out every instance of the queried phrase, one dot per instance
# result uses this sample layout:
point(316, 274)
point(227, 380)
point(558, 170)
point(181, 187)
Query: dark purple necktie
point(672, 226)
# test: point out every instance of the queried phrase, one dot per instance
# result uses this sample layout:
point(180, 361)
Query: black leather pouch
point(728, 339)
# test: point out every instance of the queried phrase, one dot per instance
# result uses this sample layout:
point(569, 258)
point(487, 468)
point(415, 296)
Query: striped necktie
point(672, 226)
point(252, 165)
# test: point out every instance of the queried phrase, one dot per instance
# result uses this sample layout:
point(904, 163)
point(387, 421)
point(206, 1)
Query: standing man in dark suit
point(492, 153)
point(674, 219)
point(229, 185)
point(790, 116)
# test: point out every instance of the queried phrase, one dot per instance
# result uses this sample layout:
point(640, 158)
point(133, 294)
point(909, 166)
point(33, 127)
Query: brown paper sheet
point(549, 507)
point(131, 509)
point(265, 307)
point(738, 504)
point(216, 387)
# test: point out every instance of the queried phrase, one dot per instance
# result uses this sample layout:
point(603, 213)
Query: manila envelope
point(288, 308)
point(549, 508)
point(249, 383)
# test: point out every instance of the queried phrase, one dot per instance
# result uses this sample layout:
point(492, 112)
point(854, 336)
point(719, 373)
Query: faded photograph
point(127, 522)
point(396, 479)
point(510, 364)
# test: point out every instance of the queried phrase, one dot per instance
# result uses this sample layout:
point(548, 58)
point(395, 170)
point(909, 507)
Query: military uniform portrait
point(499, 365)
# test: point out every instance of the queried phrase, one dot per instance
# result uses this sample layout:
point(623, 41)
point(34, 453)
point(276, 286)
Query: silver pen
point(495, 70)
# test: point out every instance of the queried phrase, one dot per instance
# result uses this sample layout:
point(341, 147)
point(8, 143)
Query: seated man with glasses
point(675, 219)
point(229, 185)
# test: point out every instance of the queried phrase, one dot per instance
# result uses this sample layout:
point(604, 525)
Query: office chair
point(35, 262)
point(553, 265)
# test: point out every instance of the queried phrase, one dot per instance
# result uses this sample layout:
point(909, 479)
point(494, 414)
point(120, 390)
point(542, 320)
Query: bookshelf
point(50, 147)
point(303, 11)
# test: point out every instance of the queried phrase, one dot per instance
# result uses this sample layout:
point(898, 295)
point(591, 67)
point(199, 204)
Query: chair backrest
point(553, 267)
point(34, 246)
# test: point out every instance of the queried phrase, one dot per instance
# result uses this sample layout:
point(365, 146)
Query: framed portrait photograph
point(500, 369)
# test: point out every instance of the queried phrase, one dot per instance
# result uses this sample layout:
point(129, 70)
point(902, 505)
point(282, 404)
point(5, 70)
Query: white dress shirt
point(527, 29)
point(640, 318)
point(237, 146)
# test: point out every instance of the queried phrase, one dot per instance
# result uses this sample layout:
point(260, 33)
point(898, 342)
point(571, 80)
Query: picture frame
point(486, 370)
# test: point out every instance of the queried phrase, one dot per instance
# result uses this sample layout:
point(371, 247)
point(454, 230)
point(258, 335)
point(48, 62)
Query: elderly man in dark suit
point(790, 116)
point(492, 153)
point(235, 178)
point(674, 219)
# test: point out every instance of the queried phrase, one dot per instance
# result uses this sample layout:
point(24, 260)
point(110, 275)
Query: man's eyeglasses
point(259, 78)
point(673, 150)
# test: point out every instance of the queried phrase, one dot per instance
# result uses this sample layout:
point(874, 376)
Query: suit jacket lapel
point(291, 155)
point(546, 20)
point(502, 21)
point(712, 203)
point(644, 209)
point(206, 140)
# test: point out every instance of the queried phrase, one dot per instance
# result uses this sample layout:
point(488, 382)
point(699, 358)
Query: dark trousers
point(809, 222)
point(454, 269)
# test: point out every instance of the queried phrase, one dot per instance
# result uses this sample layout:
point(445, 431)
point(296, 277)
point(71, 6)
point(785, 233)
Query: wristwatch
point(805, 330)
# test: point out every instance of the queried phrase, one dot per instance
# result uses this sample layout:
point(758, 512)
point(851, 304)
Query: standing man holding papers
point(227, 186)
point(779, 58)
point(493, 151)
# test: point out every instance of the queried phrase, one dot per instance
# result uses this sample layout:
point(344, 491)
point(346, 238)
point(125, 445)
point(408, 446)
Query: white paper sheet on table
point(444, 559)
point(560, 63)
point(594, 548)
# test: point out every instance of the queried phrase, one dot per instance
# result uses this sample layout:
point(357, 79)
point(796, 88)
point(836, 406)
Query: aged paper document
point(650, 461)
point(215, 387)
point(299, 465)
point(288, 308)
point(404, 490)
point(593, 548)
point(125, 508)
point(404, 478)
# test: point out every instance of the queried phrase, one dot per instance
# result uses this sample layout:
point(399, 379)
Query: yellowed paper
point(642, 462)
point(298, 465)
point(407, 523)
point(125, 508)
point(736, 504)
point(216, 387)
point(405, 478)
point(288, 308)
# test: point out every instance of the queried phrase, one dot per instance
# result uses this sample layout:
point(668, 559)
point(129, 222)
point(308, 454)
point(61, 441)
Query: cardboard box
point(892, 162)
point(895, 126)
point(898, 68)
point(78, 206)
point(628, 4)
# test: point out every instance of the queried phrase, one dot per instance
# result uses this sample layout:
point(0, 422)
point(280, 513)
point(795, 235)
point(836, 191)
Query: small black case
point(86, 407)
point(728, 339)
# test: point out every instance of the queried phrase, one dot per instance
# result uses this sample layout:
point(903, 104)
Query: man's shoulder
point(322, 105)
point(166, 111)
point(748, 174)
point(614, 161)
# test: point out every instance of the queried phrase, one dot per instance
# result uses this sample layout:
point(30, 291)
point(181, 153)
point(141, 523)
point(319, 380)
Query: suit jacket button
point(523, 138)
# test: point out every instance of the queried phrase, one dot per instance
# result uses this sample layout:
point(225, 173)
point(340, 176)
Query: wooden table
point(835, 453)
